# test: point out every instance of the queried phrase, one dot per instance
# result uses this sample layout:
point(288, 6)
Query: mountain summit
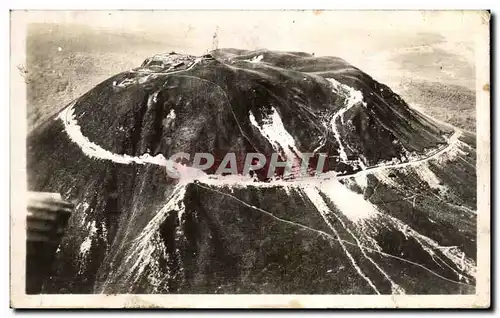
point(393, 212)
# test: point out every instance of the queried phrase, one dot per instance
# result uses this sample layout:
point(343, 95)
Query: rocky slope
point(395, 212)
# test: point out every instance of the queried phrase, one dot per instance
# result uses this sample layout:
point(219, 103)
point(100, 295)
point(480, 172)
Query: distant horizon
point(380, 49)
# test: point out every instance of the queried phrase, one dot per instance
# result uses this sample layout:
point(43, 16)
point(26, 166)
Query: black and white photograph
point(221, 154)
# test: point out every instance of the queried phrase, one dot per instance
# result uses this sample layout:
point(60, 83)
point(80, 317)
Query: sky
point(388, 45)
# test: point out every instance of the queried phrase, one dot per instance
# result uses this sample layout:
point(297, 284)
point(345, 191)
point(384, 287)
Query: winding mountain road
point(189, 174)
